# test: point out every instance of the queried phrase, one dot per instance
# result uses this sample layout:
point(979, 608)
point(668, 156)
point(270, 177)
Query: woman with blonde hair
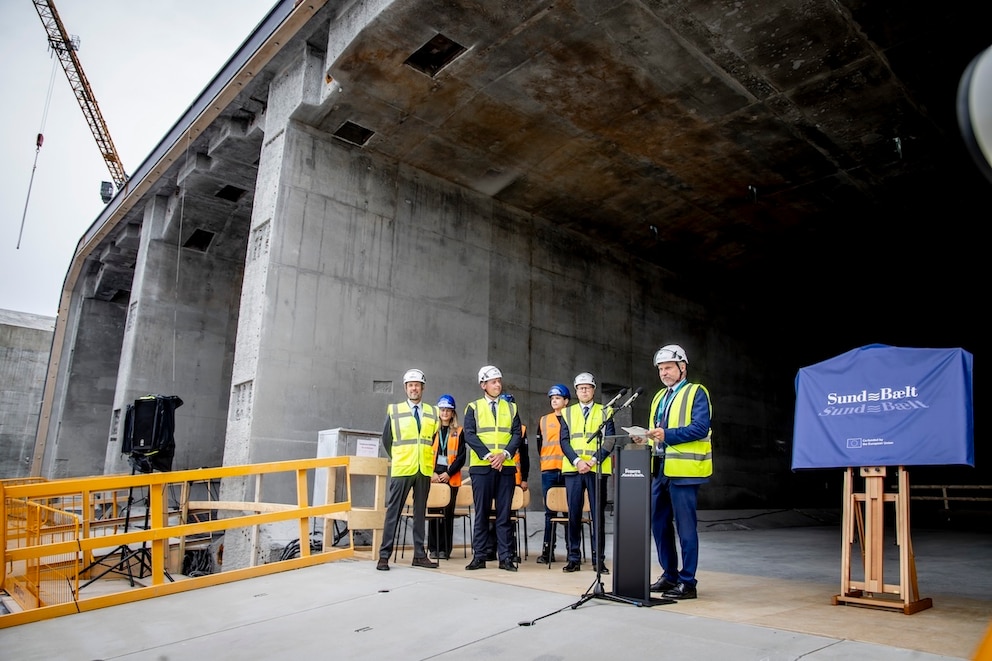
point(449, 458)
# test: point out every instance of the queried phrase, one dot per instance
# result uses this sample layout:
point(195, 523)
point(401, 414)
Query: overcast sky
point(146, 62)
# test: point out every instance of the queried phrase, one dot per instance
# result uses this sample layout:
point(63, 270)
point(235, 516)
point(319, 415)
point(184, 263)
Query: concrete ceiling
point(773, 144)
point(799, 159)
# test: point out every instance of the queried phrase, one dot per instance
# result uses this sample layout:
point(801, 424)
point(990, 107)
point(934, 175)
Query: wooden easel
point(870, 523)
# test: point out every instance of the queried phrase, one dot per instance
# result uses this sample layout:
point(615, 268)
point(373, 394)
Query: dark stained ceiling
point(795, 155)
point(800, 162)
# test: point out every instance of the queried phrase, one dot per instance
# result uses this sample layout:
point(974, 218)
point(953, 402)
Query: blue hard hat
point(508, 397)
point(446, 402)
point(560, 389)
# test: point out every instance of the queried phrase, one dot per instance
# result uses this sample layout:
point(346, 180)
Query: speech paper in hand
point(635, 431)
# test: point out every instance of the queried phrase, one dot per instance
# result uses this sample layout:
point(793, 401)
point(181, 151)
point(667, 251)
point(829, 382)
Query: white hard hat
point(414, 375)
point(585, 378)
point(489, 372)
point(670, 353)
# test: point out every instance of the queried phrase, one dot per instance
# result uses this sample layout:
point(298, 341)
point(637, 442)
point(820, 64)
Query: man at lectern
point(681, 435)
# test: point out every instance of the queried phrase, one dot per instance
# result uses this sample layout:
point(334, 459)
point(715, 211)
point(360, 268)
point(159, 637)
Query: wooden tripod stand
point(865, 511)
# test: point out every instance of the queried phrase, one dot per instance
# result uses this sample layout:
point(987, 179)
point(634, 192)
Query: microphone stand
point(596, 590)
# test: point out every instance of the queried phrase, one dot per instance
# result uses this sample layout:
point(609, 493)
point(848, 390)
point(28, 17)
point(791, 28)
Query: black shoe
point(542, 559)
point(424, 562)
point(570, 567)
point(508, 565)
point(515, 558)
point(680, 591)
point(603, 569)
point(662, 585)
point(477, 563)
point(383, 564)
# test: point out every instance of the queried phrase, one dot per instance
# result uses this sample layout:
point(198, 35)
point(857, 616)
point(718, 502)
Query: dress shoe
point(603, 569)
point(515, 558)
point(508, 565)
point(680, 591)
point(383, 564)
point(477, 563)
point(543, 559)
point(424, 562)
point(570, 567)
point(662, 585)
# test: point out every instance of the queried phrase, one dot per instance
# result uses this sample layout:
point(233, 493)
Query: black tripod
point(596, 590)
point(128, 556)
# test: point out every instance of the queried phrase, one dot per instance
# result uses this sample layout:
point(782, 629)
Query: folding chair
point(557, 501)
point(437, 499)
point(463, 511)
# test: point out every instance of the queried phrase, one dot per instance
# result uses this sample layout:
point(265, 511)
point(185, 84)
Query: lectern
point(632, 520)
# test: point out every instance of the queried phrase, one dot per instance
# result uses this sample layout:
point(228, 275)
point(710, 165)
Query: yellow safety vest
point(413, 449)
point(551, 454)
point(495, 434)
point(693, 458)
point(580, 431)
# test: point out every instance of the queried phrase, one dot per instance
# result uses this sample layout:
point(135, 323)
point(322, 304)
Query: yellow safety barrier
point(55, 532)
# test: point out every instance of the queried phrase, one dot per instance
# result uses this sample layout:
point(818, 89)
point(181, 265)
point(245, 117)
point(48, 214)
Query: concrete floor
point(765, 585)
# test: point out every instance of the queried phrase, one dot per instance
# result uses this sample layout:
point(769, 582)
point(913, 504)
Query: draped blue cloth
point(880, 405)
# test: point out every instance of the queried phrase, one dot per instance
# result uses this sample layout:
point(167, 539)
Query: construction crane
point(64, 47)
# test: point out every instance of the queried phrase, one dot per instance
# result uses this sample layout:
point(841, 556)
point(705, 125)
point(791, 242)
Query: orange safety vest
point(551, 454)
point(454, 438)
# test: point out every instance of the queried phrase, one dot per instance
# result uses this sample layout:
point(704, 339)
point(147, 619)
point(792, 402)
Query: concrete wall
point(25, 345)
point(179, 338)
point(77, 435)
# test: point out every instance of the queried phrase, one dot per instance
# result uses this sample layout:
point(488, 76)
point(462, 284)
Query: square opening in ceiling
point(353, 133)
point(199, 240)
point(230, 193)
point(435, 55)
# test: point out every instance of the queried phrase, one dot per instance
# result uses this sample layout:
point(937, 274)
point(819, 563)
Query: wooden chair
point(518, 515)
point(438, 498)
point(463, 511)
point(557, 501)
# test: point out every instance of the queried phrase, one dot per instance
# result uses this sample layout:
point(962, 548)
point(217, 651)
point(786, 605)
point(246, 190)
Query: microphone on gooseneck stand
point(623, 391)
point(630, 401)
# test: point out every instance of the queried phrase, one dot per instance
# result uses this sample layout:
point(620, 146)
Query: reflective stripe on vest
point(494, 434)
point(693, 458)
point(551, 454)
point(580, 429)
point(412, 450)
point(454, 439)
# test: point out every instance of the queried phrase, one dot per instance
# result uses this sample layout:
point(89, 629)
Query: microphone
point(623, 391)
point(630, 401)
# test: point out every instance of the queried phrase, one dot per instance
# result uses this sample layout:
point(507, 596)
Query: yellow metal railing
point(56, 535)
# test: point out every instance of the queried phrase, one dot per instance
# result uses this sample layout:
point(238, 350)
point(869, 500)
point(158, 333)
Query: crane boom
point(61, 44)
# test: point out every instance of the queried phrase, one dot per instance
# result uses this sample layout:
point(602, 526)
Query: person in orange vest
point(549, 430)
point(449, 458)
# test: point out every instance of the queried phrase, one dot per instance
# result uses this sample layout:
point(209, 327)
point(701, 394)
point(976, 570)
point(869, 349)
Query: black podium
point(632, 520)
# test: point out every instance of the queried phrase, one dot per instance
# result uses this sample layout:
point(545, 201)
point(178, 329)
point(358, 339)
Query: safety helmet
point(670, 353)
point(446, 402)
point(508, 397)
point(585, 378)
point(560, 389)
point(489, 372)
point(414, 375)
